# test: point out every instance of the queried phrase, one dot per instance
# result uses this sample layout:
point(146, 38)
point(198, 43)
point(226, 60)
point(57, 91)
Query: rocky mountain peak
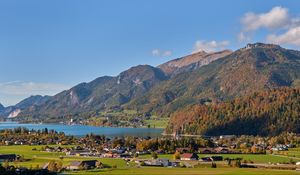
point(191, 62)
point(260, 45)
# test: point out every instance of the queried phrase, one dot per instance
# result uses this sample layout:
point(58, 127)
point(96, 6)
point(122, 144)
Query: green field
point(256, 158)
point(292, 152)
point(157, 123)
point(40, 158)
point(186, 171)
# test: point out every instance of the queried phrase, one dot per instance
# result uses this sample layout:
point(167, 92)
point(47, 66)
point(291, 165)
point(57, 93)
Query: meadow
point(37, 158)
point(256, 158)
point(185, 171)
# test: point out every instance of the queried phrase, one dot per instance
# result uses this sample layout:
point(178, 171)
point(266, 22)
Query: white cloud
point(276, 18)
point(209, 46)
point(13, 92)
point(283, 27)
point(291, 36)
point(30, 88)
point(158, 52)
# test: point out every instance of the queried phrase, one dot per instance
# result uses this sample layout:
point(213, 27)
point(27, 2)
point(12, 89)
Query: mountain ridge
point(102, 93)
point(253, 68)
point(152, 90)
point(191, 62)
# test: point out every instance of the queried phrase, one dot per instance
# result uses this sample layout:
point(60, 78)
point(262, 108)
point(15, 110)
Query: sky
point(50, 46)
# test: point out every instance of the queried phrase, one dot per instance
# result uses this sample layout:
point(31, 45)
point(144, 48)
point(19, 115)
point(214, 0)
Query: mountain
point(1, 107)
point(191, 62)
point(253, 68)
point(32, 101)
point(200, 78)
point(266, 113)
point(13, 111)
point(101, 94)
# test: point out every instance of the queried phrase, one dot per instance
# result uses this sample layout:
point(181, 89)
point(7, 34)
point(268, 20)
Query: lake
point(82, 130)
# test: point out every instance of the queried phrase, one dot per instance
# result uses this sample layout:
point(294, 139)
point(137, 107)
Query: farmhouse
point(206, 150)
point(78, 152)
point(86, 164)
point(188, 156)
point(157, 162)
point(222, 150)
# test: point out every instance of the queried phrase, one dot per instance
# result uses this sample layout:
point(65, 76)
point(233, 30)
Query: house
point(157, 162)
point(205, 159)
point(164, 162)
point(125, 155)
point(85, 164)
point(108, 155)
point(78, 152)
point(188, 156)
point(175, 164)
point(206, 150)
point(222, 150)
point(8, 157)
point(153, 162)
point(216, 158)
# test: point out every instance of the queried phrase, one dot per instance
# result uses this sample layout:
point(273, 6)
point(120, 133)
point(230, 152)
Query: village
point(89, 152)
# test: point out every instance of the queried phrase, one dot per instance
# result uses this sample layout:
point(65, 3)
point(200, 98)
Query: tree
point(52, 166)
point(6, 164)
point(176, 155)
point(154, 155)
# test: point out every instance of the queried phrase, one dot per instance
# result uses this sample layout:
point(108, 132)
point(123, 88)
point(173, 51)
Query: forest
point(265, 113)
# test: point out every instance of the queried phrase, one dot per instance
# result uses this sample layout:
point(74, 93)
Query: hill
point(13, 111)
point(253, 68)
point(265, 113)
point(101, 94)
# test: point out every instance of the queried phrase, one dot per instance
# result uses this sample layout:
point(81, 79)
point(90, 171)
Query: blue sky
point(48, 46)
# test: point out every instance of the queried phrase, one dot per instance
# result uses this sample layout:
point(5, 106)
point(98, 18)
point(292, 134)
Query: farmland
point(36, 158)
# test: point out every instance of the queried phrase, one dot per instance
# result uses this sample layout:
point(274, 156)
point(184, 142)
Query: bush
point(154, 155)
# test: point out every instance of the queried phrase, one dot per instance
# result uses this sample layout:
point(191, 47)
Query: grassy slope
point(157, 122)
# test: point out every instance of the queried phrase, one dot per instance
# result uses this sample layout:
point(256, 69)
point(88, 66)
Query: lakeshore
point(82, 130)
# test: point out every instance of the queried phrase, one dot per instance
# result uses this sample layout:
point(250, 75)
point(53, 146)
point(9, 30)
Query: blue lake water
point(81, 130)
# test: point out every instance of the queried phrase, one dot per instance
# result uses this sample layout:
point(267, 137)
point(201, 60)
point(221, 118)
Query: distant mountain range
point(199, 78)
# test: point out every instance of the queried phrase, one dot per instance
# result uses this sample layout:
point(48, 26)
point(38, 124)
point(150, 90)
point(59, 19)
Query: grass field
point(258, 158)
point(292, 152)
point(41, 158)
point(161, 123)
point(38, 158)
point(185, 171)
